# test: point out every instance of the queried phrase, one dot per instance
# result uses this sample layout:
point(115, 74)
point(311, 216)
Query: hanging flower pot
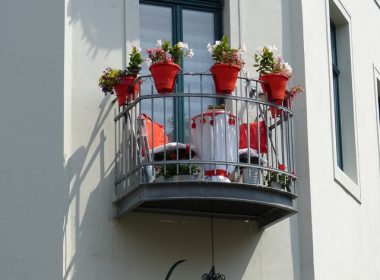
point(225, 76)
point(164, 76)
point(276, 83)
point(274, 111)
point(127, 90)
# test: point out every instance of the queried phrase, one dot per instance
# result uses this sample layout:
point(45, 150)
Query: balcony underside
point(225, 200)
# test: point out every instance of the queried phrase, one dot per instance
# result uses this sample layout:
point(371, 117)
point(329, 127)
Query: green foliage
point(216, 107)
point(176, 53)
point(184, 169)
point(166, 46)
point(265, 61)
point(135, 60)
point(110, 78)
point(282, 179)
point(223, 53)
point(220, 49)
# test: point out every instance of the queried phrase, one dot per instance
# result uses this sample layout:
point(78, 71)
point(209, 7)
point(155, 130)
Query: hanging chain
point(212, 275)
point(212, 242)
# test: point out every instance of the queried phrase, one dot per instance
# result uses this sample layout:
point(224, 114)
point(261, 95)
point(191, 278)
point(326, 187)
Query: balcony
point(185, 153)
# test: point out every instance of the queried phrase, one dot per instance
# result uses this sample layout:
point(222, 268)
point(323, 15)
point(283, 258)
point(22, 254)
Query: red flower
point(282, 167)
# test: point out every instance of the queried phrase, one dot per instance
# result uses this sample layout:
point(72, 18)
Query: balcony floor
point(225, 200)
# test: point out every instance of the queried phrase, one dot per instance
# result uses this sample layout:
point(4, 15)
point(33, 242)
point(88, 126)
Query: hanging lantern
point(212, 275)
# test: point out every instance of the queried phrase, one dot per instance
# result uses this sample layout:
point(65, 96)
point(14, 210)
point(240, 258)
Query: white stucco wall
point(344, 230)
point(144, 246)
point(57, 152)
point(32, 190)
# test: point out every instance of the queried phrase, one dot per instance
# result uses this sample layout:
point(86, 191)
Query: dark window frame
point(214, 6)
point(336, 73)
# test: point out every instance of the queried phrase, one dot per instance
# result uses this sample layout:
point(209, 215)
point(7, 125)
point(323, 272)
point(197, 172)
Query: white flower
point(259, 50)
point(185, 46)
point(190, 53)
point(159, 43)
point(209, 48)
point(148, 61)
point(139, 50)
point(217, 43)
point(272, 48)
point(181, 45)
point(288, 68)
point(243, 49)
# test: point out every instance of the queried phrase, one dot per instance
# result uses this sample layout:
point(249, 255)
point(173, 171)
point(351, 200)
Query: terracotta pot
point(225, 76)
point(275, 87)
point(127, 90)
point(274, 111)
point(164, 76)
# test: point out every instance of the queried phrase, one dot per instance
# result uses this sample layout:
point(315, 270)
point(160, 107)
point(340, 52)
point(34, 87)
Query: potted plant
point(165, 60)
point(227, 65)
point(293, 92)
point(124, 82)
point(278, 181)
point(252, 175)
point(274, 72)
point(290, 95)
point(177, 172)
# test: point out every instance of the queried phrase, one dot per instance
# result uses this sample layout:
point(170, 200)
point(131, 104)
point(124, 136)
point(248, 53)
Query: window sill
point(347, 184)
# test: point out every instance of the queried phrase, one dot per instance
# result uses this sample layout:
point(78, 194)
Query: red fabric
point(158, 131)
point(243, 136)
point(217, 172)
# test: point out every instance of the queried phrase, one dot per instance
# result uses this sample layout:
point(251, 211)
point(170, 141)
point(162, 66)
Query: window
point(377, 103)
point(378, 98)
point(345, 148)
point(197, 23)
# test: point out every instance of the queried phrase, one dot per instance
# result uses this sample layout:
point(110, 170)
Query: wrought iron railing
point(161, 136)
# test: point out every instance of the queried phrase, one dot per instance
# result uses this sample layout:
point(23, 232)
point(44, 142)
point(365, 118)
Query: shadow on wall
point(88, 222)
point(140, 246)
point(155, 242)
point(97, 20)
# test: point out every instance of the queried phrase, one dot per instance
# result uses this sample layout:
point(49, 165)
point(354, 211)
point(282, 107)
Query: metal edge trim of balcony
point(281, 201)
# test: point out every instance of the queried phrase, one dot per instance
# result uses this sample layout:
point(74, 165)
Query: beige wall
point(143, 246)
point(344, 230)
point(57, 152)
point(32, 190)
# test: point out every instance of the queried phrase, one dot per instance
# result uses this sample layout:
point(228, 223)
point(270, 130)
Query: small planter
point(274, 111)
point(176, 178)
point(127, 90)
point(275, 185)
point(164, 76)
point(251, 176)
point(225, 76)
point(275, 87)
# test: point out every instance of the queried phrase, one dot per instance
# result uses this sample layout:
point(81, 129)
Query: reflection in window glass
point(155, 24)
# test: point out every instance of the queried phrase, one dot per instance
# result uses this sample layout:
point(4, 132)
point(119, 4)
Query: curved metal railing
point(162, 136)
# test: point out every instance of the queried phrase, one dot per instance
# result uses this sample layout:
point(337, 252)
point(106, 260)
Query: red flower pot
point(127, 90)
point(225, 76)
point(164, 76)
point(275, 87)
point(274, 111)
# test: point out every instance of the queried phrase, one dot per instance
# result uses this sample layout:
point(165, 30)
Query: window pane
point(378, 98)
point(198, 31)
point(338, 125)
point(156, 24)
